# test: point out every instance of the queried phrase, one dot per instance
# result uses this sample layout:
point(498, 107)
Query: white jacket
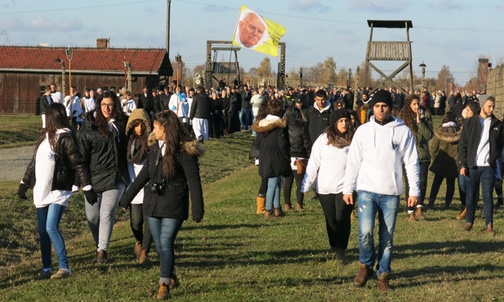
point(376, 156)
point(326, 167)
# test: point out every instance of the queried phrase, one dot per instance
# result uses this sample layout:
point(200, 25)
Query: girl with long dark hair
point(272, 140)
point(418, 119)
point(103, 144)
point(170, 173)
point(55, 164)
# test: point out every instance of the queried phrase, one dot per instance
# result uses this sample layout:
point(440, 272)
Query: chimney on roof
point(102, 43)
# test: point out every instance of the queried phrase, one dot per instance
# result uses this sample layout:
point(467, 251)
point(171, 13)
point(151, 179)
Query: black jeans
point(450, 189)
point(424, 171)
point(337, 215)
point(263, 188)
point(140, 226)
point(288, 188)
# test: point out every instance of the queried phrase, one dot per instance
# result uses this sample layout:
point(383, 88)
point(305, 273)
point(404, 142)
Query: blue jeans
point(485, 176)
point(244, 118)
point(253, 120)
point(48, 223)
point(462, 184)
point(100, 216)
point(387, 207)
point(273, 193)
point(164, 231)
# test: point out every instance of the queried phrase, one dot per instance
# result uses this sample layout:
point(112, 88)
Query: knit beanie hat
point(482, 98)
point(337, 114)
point(381, 96)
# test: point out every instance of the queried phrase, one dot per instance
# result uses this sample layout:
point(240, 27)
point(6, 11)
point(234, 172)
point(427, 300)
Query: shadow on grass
point(450, 274)
point(446, 248)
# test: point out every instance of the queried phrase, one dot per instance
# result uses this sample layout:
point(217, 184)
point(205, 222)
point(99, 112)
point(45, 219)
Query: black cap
point(381, 96)
point(337, 114)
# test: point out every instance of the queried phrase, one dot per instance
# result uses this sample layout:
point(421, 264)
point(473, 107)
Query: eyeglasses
point(109, 105)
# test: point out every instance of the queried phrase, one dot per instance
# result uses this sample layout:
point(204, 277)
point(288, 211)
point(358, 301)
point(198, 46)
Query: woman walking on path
point(418, 119)
point(55, 164)
point(103, 144)
point(274, 159)
point(444, 154)
point(300, 143)
point(254, 155)
point(326, 168)
point(138, 129)
point(170, 172)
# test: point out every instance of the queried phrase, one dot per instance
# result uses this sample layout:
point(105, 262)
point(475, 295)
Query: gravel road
point(13, 162)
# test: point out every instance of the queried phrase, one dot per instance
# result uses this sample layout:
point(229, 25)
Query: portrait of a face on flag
point(257, 33)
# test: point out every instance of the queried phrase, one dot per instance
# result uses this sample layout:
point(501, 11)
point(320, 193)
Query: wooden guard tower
point(390, 51)
point(217, 72)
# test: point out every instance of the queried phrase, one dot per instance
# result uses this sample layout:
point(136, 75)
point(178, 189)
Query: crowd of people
point(142, 154)
point(365, 156)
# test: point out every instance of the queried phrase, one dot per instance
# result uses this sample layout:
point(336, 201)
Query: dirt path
point(13, 162)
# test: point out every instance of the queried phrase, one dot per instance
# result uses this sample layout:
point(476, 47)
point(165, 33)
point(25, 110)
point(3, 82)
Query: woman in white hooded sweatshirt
point(326, 170)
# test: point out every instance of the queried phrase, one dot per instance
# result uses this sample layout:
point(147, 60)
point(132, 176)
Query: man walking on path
point(374, 169)
point(480, 146)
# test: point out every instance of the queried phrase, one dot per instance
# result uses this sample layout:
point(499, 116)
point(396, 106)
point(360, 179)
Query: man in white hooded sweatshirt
point(374, 169)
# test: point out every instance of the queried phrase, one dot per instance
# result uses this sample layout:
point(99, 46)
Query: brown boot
point(174, 282)
point(137, 249)
point(278, 212)
point(340, 254)
point(299, 207)
point(411, 217)
point(261, 201)
point(163, 292)
point(419, 214)
point(382, 282)
point(269, 214)
point(362, 276)
point(143, 259)
point(287, 207)
point(462, 214)
point(489, 229)
point(101, 257)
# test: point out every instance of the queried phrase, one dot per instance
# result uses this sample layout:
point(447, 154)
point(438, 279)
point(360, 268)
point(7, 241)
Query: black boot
point(430, 205)
point(499, 203)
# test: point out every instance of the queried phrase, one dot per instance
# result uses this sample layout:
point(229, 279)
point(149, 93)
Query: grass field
point(235, 255)
point(16, 130)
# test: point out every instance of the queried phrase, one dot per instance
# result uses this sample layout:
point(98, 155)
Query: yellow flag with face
point(257, 33)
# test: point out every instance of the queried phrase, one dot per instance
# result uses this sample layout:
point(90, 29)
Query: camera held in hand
point(158, 188)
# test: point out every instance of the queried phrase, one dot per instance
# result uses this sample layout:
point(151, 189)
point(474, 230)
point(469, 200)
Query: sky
point(454, 33)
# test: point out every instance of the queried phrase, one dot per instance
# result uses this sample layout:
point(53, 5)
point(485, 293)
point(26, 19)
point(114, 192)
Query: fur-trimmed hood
point(448, 132)
point(190, 147)
point(138, 114)
point(193, 148)
point(268, 124)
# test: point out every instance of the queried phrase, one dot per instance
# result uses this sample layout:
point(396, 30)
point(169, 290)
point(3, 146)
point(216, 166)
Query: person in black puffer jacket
point(300, 145)
point(170, 173)
point(272, 140)
point(56, 163)
point(103, 144)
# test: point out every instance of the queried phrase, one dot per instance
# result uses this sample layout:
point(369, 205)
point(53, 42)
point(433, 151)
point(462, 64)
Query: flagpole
point(234, 37)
